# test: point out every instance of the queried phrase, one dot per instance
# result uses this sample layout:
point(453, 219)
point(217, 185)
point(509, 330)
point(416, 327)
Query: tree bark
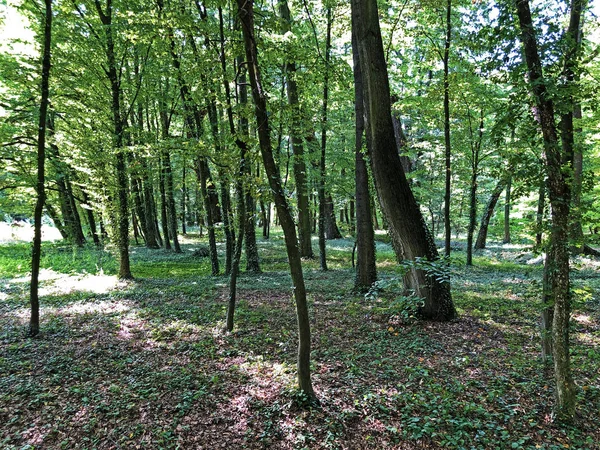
point(120, 157)
point(34, 320)
point(366, 269)
point(475, 159)
point(246, 14)
point(557, 266)
point(409, 232)
point(447, 145)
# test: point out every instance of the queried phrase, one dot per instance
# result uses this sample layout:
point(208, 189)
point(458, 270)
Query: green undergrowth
point(146, 363)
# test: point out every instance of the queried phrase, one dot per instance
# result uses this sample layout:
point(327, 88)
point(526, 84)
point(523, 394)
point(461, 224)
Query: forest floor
point(146, 365)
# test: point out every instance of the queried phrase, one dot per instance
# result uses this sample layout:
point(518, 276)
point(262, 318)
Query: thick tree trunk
point(366, 270)
point(246, 14)
point(34, 320)
point(481, 241)
point(410, 235)
point(297, 131)
point(557, 266)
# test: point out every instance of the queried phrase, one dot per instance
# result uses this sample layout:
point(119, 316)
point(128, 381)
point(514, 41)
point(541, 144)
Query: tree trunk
point(241, 214)
point(183, 199)
point(113, 75)
point(170, 197)
point(331, 229)
point(480, 243)
point(202, 168)
point(448, 149)
point(34, 320)
point(246, 14)
point(326, 213)
point(366, 270)
point(557, 266)
point(228, 227)
point(152, 235)
point(507, 201)
point(163, 210)
point(475, 153)
point(90, 215)
point(299, 167)
point(409, 232)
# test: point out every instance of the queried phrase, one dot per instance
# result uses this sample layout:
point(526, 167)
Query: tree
point(34, 321)
point(410, 236)
point(299, 167)
point(246, 14)
point(556, 269)
point(366, 269)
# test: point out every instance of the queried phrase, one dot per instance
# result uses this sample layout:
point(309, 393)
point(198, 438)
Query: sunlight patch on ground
point(95, 307)
point(23, 232)
point(56, 283)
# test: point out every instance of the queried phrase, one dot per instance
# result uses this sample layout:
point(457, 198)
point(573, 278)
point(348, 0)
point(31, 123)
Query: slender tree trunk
point(246, 14)
point(229, 229)
point(113, 75)
point(170, 197)
point(326, 212)
point(472, 216)
point(163, 209)
point(183, 198)
point(408, 229)
point(366, 270)
point(475, 159)
point(202, 165)
point(480, 243)
point(299, 167)
point(557, 267)
point(152, 235)
point(90, 215)
point(448, 148)
point(34, 320)
point(241, 214)
point(507, 201)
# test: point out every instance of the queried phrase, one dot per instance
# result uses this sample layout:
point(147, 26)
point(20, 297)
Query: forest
point(299, 224)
